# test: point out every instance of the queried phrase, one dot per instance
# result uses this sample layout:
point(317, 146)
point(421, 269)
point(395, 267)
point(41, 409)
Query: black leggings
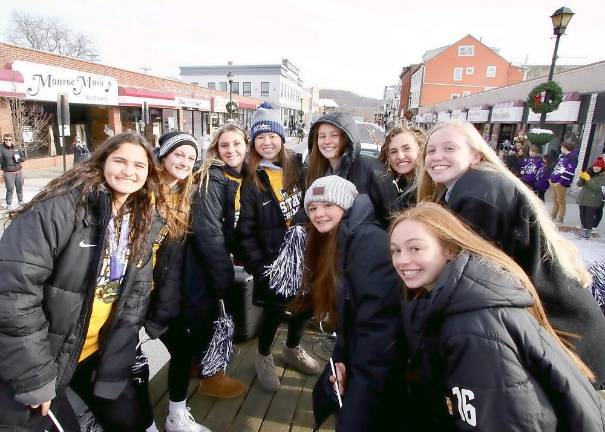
point(271, 318)
point(588, 217)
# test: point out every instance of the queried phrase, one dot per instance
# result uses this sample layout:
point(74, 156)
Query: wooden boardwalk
point(287, 410)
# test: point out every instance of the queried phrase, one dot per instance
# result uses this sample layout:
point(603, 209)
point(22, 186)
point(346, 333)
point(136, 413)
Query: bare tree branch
point(49, 34)
point(28, 117)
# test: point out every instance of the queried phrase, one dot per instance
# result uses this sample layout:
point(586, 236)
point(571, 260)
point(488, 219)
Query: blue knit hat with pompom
point(266, 119)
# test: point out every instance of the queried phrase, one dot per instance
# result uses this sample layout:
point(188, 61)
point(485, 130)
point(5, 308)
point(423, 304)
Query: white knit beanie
point(333, 189)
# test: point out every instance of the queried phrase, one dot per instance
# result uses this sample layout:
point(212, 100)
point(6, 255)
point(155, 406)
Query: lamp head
point(560, 20)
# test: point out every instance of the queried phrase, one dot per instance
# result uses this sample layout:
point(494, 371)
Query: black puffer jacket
point(49, 261)
point(366, 173)
point(369, 332)
point(11, 158)
point(499, 212)
point(208, 269)
point(403, 195)
point(480, 361)
point(259, 235)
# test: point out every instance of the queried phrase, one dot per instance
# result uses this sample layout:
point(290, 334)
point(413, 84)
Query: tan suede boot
point(221, 386)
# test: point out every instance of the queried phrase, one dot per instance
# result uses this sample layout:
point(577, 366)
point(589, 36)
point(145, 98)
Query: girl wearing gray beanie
point(349, 280)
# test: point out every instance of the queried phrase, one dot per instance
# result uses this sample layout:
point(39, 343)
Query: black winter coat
point(402, 193)
point(259, 235)
point(369, 332)
point(208, 269)
point(499, 212)
point(11, 158)
point(366, 173)
point(49, 261)
point(479, 360)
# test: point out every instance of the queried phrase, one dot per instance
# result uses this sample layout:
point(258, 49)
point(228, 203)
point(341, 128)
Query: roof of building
point(328, 103)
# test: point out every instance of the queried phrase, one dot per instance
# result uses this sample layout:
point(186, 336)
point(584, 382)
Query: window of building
point(457, 74)
point(466, 50)
point(491, 71)
point(466, 93)
point(235, 87)
point(264, 88)
point(195, 83)
point(211, 85)
point(222, 86)
point(247, 88)
point(455, 96)
point(470, 70)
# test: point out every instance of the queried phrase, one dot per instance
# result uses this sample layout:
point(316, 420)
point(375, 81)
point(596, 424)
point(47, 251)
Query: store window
point(235, 87)
point(264, 88)
point(222, 86)
point(457, 74)
point(211, 85)
point(247, 88)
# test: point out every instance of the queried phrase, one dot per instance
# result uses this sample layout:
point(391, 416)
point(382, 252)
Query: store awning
point(246, 105)
point(136, 96)
point(478, 114)
point(508, 112)
point(567, 112)
point(11, 83)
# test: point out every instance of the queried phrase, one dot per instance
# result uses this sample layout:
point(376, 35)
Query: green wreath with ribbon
point(231, 107)
point(552, 100)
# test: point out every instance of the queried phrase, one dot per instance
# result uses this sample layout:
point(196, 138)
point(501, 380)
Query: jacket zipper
point(267, 183)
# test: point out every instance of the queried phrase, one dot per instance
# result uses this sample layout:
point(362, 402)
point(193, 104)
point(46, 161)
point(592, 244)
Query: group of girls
point(147, 234)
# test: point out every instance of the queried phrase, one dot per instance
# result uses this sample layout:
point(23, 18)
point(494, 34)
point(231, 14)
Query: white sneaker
point(183, 422)
point(298, 358)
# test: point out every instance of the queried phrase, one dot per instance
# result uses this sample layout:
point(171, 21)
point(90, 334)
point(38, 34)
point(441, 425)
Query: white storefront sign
point(478, 114)
point(507, 112)
point(567, 112)
point(459, 114)
point(443, 116)
point(196, 104)
point(43, 83)
point(220, 104)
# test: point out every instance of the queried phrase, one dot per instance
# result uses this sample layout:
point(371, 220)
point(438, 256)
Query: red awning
point(247, 105)
point(11, 75)
point(144, 93)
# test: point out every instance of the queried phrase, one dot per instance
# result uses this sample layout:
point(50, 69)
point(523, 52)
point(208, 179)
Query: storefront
point(444, 116)
point(195, 115)
point(505, 119)
point(479, 117)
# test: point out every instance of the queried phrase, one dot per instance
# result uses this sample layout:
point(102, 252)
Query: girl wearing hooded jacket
point(335, 149)
point(350, 278)
point(459, 169)
point(400, 156)
point(482, 354)
point(76, 281)
point(208, 271)
point(271, 195)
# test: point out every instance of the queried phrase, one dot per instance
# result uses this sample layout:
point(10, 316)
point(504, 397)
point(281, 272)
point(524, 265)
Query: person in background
point(482, 353)
point(459, 169)
point(541, 183)
point(80, 149)
point(530, 165)
point(11, 158)
point(561, 178)
point(270, 197)
point(75, 291)
point(208, 266)
point(590, 198)
point(400, 155)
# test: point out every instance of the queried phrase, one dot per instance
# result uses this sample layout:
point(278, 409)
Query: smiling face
point(403, 153)
point(329, 141)
point(126, 170)
point(325, 216)
point(449, 156)
point(232, 149)
point(178, 164)
point(268, 145)
point(417, 254)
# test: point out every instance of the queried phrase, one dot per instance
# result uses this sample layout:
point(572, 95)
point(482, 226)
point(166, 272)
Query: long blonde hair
point(557, 247)
point(178, 205)
point(456, 236)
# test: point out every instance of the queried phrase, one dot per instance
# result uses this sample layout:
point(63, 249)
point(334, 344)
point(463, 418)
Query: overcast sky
point(344, 44)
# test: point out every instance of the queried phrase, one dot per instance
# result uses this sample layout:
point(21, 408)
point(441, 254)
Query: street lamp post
point(230, 80)
point(560, 20)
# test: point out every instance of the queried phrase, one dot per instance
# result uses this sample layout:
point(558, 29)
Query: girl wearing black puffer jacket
point(76, 280)
point(350, 280)
point(271, 195)
point(335, 149)
point(481, 353)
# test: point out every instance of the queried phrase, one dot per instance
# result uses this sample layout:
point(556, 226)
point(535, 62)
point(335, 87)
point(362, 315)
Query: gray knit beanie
point(333, 189)
point(266, 119)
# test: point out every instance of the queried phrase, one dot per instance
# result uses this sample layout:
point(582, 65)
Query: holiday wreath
point(231, 107)
point(550, 102)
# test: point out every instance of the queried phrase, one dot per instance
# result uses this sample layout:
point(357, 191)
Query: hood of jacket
point(345, 123)
point(471, 283)
point(362, 212)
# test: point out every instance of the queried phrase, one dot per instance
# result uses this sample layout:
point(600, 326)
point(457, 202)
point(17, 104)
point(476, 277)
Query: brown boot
point(221, 386)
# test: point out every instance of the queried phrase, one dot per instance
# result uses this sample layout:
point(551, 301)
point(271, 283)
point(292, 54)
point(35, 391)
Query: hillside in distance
point(357, 106)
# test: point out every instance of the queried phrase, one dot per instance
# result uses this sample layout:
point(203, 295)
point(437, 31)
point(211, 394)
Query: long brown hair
point(321, 275)
point(178, 204)
point(89, 176)
point(290, 167)
point(418, 133)
point(318, 164)
point(557, 247)
point(454, 235)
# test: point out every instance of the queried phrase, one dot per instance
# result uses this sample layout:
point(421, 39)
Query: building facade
point(279, 84)
point(466, 67)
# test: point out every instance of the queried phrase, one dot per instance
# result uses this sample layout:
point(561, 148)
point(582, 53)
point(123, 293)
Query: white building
point(279, 84)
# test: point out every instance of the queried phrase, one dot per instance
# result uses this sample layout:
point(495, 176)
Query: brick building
point(104, 98)
point(465, 67)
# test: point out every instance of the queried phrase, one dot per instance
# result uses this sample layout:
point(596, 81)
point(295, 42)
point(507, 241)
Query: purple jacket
point(565, 169)
point(541, 182)
point(528, 168)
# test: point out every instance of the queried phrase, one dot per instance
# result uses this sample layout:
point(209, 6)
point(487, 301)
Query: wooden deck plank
point(283, 405)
